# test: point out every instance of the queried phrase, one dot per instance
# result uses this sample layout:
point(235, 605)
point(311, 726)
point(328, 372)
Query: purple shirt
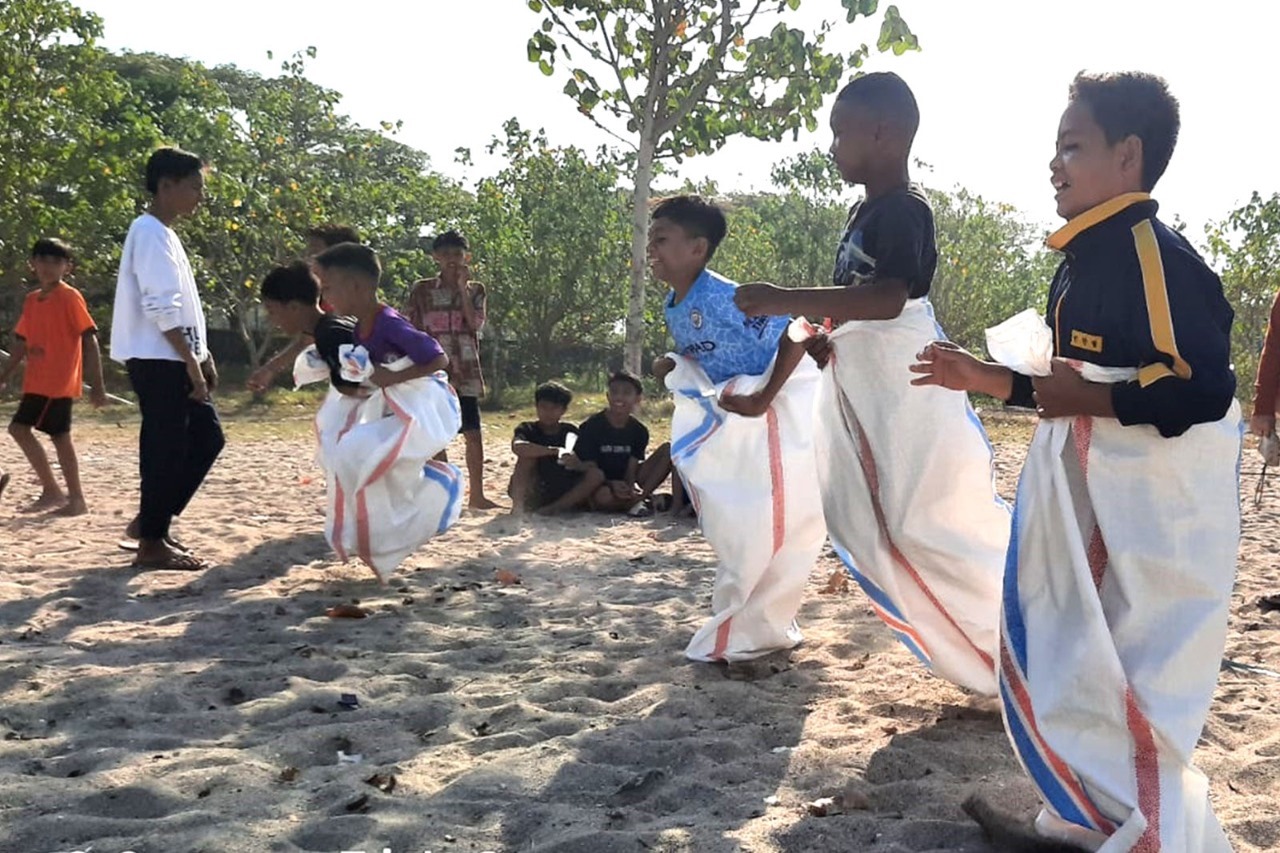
point(395, 337)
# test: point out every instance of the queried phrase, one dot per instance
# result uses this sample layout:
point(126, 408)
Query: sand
point(166, 711)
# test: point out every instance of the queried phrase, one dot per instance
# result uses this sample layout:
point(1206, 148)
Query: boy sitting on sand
point(548, 477)
point(615, 441)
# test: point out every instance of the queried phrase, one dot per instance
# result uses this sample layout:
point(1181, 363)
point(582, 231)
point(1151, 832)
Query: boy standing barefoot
point(57, 338)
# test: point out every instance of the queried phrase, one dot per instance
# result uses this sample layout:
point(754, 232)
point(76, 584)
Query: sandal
point(175, 562)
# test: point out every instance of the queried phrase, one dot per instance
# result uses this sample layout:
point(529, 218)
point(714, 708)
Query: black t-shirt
point(331, 333)
point(549, 467)
point(890, 237)
point(611, 447)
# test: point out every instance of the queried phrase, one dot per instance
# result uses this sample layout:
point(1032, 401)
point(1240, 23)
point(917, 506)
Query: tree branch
point(709, 70)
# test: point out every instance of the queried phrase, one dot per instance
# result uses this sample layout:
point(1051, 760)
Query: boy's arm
point(790, 354)
point(1268, 379)
point(261, 378)
point(473, 305)
point(15, 358)
point(1186, 378)
point(92, 354)
point(882, 299)
point(383, 378)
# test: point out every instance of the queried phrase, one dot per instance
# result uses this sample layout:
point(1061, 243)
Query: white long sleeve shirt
point(155, 292)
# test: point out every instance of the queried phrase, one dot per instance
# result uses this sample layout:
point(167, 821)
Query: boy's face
point(452, 261)
point(853, 140)
point(674, 254)
point(623, 398)
point(1085, 170)
point(184, 194)
point(343, 289)
point(49, 269)
point(286, 316)
point(549, 413)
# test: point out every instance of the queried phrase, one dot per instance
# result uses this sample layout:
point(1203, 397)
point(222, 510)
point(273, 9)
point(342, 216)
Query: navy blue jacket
point(1132, 292)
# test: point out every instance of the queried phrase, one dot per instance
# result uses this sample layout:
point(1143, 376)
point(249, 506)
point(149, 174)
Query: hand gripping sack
point(1116, 594)
point(752, 482)
point(386, 493)
point(910, 501)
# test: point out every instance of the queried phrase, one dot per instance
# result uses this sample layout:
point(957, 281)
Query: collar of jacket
point(1128, 209)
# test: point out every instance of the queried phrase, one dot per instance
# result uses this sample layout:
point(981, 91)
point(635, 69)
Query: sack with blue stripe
point(909, 496)
point(386, 493)
point(752, 483)
point(1114, 621)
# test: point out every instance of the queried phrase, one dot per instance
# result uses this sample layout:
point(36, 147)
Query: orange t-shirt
point(51, 325)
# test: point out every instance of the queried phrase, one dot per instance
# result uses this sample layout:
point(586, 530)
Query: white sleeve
point(159, 282)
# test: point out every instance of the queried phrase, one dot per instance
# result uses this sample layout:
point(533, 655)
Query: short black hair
point(887, 96)
point(628, 377)
point(451, 239)
point(1133, 103)
point(292, 283)
point(52, 247)
point(697, 216)
point(553, 392)
point(173, 163)
point(331, 234)
point(351, 256)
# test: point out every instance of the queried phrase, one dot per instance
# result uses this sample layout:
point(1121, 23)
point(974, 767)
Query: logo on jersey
point(695, 317)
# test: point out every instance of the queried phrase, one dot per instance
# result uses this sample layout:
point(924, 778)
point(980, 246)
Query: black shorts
point(547, 489)
point(470, 407)
point(50, 415)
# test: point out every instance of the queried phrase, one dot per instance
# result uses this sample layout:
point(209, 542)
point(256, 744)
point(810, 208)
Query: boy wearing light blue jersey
point(704, 321)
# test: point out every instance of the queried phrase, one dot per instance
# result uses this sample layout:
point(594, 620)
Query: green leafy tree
point(991, 264)
point(69, 134)
point(548, 233)
point(676, 78)
point(1246, 248)
point(806, 218)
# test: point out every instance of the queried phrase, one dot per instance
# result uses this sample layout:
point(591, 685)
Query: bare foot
point(72, 508)
point(1009, 832)
point(484, 503)
point(46, 501)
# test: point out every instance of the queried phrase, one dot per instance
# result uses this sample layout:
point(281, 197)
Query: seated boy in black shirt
point(291, 296)
point(615, 442)
point(549, 478)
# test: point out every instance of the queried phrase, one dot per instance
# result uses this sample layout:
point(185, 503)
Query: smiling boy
point(1127, 522)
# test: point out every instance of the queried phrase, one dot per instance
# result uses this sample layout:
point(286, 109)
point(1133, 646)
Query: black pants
point(180, 439)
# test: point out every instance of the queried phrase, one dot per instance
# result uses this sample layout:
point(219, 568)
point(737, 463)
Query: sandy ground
point(201, 712)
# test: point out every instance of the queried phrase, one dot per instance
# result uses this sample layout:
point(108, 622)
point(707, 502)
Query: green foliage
point(1246, 248)
point(676, 78)
point(69, 137)
point(550, 239)
point(991, 264)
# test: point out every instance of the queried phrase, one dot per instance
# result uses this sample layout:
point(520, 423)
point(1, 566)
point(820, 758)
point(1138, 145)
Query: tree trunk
point(634, 351)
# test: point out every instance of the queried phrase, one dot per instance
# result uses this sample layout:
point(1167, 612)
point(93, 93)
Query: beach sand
point(518, 688)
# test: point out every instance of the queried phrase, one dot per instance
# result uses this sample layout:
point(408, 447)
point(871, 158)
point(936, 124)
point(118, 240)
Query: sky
point(991, 80)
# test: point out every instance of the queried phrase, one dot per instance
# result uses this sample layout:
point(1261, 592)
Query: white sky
point(991, 81)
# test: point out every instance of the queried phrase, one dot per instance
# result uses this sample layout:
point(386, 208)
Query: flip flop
point(127, 544)
point(178, 562)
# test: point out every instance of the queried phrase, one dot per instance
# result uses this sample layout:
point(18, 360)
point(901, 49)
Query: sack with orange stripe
point(910, 500)
point(1114, 619)
point(752, 483)
point(386, 493)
